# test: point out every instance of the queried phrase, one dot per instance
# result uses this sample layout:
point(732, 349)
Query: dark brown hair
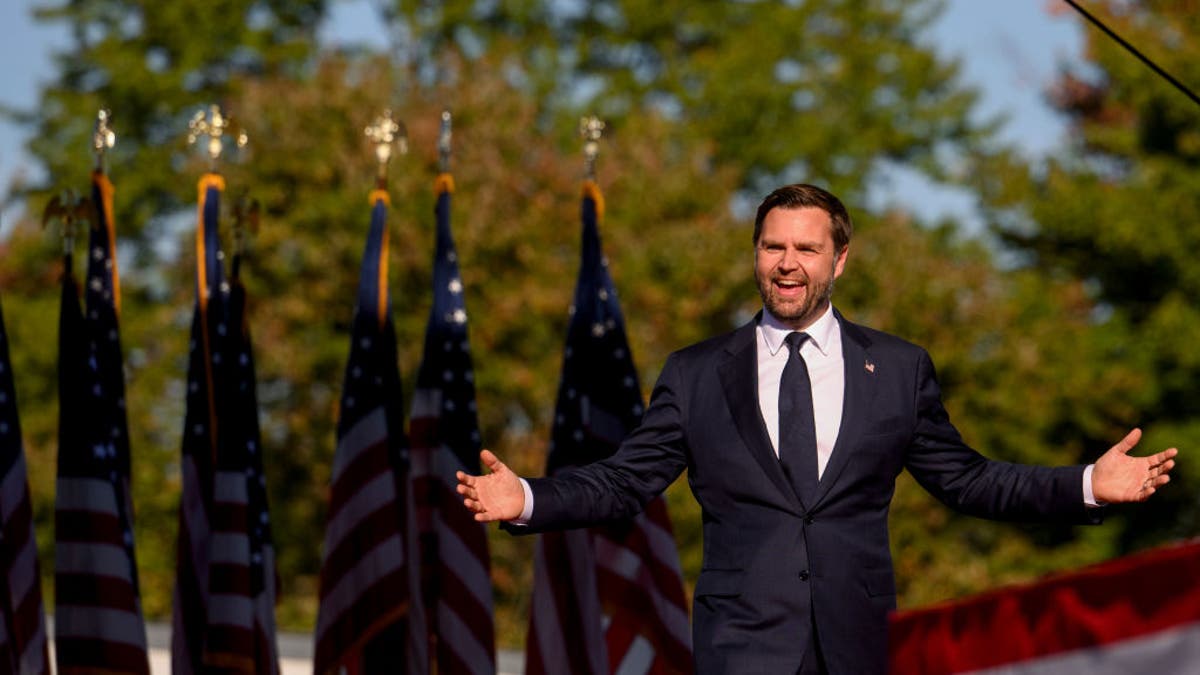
point(801, 195)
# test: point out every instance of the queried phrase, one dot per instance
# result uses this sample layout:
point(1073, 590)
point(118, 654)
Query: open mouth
point(790, 287)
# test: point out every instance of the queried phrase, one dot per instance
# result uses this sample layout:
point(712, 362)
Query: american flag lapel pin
point(869, 367)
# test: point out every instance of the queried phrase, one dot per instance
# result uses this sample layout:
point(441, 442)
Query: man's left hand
point(1118, 477)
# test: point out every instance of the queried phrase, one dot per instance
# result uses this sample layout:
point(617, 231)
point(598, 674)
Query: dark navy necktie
point(797, 428)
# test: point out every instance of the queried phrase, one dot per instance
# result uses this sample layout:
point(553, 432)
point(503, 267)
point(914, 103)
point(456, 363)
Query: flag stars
point(459, 316)
point(637, 409)
point(198, 430)
point(578, 435)
point(98, 253)
point(628, 381)
point(96, 284)
point(618, 353)
point(3, 427)
point(348, 402)
point(448, 376)
point(602, 294)
point(365, 343)
point(455, 286)
point(98, 451)
point(597, 329)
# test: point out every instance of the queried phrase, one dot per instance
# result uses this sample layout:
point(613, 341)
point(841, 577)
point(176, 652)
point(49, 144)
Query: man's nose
point(790, 260)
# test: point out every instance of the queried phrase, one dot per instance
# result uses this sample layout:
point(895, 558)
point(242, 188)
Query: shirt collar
point(820, 333)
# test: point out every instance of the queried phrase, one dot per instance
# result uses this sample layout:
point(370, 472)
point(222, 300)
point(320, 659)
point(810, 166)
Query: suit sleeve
point(968, 482)
point(648, 460)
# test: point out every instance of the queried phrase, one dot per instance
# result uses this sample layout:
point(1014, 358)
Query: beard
point(797, 313)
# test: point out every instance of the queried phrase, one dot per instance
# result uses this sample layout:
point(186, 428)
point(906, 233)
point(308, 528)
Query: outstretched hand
point(1118, 477)
point(496, 496)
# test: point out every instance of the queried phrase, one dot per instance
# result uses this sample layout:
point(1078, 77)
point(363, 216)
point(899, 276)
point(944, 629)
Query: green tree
point(1116, 212)
point(700, 117)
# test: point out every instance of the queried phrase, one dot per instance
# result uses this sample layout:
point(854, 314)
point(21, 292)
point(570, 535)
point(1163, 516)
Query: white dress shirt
point(822, 354)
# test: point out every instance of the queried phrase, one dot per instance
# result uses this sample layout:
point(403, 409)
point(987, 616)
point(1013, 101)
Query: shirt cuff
point(527, 512)
point(1089, 498)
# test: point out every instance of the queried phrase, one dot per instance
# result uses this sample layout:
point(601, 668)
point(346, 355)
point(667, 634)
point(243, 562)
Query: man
point(793, 429)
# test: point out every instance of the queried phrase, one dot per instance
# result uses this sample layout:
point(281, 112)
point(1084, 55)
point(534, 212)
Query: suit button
point(808, 520)
point(803, 575)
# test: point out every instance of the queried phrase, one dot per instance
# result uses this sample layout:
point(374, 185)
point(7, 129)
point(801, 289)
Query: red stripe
point(632, 609)
point(459, 520)
point(368, 533)
point(369, 463)
point(1107, 603)
point(83, 589)
point(468, 608)
point(81, 656)
point(87, 526)
point(556, 568)
point(376, 608)
point(229, 579)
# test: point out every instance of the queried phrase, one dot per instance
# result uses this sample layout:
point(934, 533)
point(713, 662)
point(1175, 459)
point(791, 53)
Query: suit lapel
point(857, 400)
point(739, 379)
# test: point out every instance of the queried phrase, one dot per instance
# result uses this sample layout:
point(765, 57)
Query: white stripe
point(230, 487)
point(231, 609)
point(85, 494)
point(92, 558)
point(379, 493)
point(630, 567)
point(426, 403)
point(13, 485)
point(230, 547)
point(459, 638)
point(469, 569)
point(384, 559)
point(100, 623)
point(1169, 652)
point(638, 658)
point(369, 431)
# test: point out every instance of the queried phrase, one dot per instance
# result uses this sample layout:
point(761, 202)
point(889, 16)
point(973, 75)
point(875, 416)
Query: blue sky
point(1011, 50)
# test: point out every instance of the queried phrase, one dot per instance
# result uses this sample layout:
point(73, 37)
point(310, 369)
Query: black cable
point(1153, 66)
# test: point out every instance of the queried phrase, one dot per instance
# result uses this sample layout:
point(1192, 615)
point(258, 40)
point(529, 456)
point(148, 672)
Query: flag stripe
point(1094, 608)
point(616, 599)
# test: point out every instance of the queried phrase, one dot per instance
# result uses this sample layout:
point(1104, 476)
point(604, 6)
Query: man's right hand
point(496, 496)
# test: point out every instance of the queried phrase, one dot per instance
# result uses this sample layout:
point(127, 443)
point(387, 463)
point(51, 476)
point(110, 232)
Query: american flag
point(225, 575)
point(455, 565)
point(97, 608)
point(371, 618)
point(609, 599)
point(22, 623)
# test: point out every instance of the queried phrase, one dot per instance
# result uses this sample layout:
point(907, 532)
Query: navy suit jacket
point(773, 565)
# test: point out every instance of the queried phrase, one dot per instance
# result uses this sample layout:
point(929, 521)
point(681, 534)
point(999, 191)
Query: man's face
point(795, 264)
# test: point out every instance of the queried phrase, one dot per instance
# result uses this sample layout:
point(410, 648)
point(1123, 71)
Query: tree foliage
point(1117, 212)
point(706, 103)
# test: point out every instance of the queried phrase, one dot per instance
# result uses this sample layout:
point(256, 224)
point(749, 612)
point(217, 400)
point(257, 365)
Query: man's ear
point(839, 262)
